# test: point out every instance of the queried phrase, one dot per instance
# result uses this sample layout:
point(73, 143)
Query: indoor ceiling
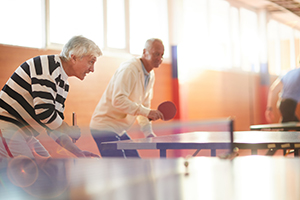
point(286, 11)
point(290, 5)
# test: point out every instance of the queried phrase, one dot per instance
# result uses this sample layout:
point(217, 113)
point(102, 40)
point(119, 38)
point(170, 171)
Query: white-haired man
point(127, 98)
point(33, 100)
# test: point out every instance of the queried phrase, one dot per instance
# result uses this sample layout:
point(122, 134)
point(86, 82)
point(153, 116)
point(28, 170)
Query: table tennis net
point(215, 125)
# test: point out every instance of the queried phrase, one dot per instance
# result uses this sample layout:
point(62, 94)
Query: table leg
point(213, 152)
point(196, 152)
point(253, 151)
point(296, 152)
point(163, 153)
point(271, 152)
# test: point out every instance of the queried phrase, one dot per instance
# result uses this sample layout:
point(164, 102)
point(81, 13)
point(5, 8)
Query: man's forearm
point(66, 143)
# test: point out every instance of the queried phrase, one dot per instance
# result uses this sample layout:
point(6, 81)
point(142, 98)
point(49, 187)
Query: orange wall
point(221, 94)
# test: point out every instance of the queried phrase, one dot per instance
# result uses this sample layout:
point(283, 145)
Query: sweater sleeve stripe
point(61, 114)
point(60, 100)
point(44, 82)
point(42, 95)
point(21, 82)
point(13, 112)
point(48, 111)
point(11, 120)
point(38, 65)
point(25, 67)
point(53, 117)
point(23, 103)
point(20, 99)
point(53, 65)
point(19, 124)
point(35, 94)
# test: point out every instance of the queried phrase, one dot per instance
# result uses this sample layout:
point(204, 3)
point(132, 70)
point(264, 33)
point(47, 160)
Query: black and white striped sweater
point(34, 96)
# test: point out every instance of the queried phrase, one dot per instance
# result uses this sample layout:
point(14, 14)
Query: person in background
point(126, 99)
point(289, 95)
point(33, 100)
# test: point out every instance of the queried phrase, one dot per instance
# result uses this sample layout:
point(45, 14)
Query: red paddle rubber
point(168, 109)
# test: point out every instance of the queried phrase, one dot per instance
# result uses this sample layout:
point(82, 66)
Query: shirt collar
point(144, 70)
point(64, 74)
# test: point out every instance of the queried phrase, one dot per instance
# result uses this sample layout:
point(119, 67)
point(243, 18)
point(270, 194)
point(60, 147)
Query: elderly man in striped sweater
point(33, 100)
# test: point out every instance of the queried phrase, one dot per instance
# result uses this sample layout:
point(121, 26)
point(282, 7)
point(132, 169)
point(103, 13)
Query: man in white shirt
point(127, 98)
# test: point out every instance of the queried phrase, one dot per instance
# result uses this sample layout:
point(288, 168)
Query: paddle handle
point(74, 123)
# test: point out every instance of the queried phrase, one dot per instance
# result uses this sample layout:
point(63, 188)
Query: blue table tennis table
point(253, 140)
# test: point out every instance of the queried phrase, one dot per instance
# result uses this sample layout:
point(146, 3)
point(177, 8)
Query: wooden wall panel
point(254, 99)
point(13, 56)
point(216, 94)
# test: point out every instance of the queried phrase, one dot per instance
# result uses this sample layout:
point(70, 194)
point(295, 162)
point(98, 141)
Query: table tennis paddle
point(168, 109)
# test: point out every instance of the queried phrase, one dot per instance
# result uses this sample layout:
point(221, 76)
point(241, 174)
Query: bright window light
point(274, 59)
point(285, 34)
point(219, 34)
point(194, 40)
point(219, 20)
point(195, 22)
point(73, 17)
point(249, 39)
point(235, 37)
point(297, 47)
point(148, 19)
point(22, 23)
point(116, 35)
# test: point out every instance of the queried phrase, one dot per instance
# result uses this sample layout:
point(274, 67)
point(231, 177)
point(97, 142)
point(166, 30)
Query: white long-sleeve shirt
point(125, 100)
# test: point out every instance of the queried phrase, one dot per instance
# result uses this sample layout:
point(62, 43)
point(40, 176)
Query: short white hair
point(80, 47)
point(150, 41)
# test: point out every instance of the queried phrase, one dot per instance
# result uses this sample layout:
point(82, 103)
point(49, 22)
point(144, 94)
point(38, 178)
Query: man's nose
point(92, 68)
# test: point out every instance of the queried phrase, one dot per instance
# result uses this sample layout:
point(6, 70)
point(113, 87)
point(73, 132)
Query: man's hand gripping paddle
point(168, 109)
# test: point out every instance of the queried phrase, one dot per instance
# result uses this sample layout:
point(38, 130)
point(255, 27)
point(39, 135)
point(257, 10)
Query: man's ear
point(73, 58)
